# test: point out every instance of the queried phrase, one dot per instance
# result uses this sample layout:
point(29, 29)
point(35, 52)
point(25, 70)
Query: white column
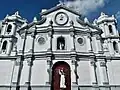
point(119, 46)
point(28, 71)
point(9, 48)
point(49, 71)
point(89, 44)
point(114, 29)
point(4, 29)
point(110, 47)
point(15, 73)
point(93, 72)
point(73, 70)
point(99, 43)
point(106, 29)
point(94, 40)
point(13, 29)
point(103, 73)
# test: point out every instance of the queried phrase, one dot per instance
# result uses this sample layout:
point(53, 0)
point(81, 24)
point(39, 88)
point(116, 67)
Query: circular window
point(80, 40)
point(41, 40)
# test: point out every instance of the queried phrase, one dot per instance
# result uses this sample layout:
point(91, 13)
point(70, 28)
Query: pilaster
point(103, 72)
point(74, 65)
point(49, 69)
point(93, 72)
point(18, 65)
point(110, 46)
point(114, 29)
point(106, 29)
point(89, 46)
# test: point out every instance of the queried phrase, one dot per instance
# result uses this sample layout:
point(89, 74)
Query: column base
point(105, 83)
point(94, 83)
point(74, 83)
point(47, 83)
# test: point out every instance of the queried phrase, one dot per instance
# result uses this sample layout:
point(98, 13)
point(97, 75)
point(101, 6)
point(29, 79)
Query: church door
point(61, 78)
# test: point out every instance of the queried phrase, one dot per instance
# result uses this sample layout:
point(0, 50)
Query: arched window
point(61, 43)
point(115, 46)
point(4, 46)
point(110, 29)
point(9, 28)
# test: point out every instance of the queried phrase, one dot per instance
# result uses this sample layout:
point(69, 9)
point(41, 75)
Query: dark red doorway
point(56, 77)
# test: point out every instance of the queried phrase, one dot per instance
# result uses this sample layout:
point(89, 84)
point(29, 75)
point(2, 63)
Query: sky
point(89, 8)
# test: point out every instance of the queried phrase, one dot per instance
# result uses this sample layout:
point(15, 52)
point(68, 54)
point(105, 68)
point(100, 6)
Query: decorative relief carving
point(49, 61)
point(32, 35)
point(18, 62)
point(72, 34)
point(98, 37)
point(30, 62)
point(109, 40)
point(41, 39)
point(49, 33)
point(73, 60)
point(23, 36)
point(103, 64)
point(93, 63)
point(105, 46)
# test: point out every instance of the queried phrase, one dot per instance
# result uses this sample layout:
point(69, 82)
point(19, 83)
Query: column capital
point(98, 37)
point(93, 63)
point(73, 60)
point(30, 62)
point(18, 61)
point(72, 34)
point(103, 64)
point(105, 23)
point(49, 60)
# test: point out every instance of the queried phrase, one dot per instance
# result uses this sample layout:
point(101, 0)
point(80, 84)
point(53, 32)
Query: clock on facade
point(61, 18)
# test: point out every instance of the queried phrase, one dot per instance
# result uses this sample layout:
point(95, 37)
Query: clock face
point(61, 18)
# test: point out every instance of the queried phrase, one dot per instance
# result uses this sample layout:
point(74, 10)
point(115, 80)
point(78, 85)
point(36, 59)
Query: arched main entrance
point(61, 76)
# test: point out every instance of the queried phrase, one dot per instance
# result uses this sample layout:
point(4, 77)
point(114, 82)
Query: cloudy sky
point(30, 8)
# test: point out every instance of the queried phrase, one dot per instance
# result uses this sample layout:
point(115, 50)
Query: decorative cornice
point(90, 25)
point(103, 64)
point(57, 8)
point(32, 24)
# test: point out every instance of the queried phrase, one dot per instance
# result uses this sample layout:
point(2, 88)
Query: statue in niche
point(61, 43)
point(61, 46)
point(62, 79)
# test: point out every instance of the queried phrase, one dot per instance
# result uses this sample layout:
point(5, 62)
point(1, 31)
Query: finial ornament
point(7, 16)
point(34, 19)
point(17, 14)
point(102, 13)
point(86, 20)
point(61, 2)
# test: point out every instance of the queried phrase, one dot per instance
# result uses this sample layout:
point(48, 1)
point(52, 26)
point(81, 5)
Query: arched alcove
point(9, 28)
point(115, 46)
point(4, 46)
point(64, 68)
point(110, 29)
point(61, 43)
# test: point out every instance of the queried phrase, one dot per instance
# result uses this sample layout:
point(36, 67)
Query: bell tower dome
point(111, 42)
point(10, 24)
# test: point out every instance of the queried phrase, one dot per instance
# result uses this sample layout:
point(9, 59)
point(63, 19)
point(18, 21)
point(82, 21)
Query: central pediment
point(58, 7)
point(61, 18)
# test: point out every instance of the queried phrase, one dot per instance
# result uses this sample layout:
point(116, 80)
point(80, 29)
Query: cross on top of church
point(61, 2)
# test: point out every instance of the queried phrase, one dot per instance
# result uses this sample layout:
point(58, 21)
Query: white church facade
point(62, 51)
